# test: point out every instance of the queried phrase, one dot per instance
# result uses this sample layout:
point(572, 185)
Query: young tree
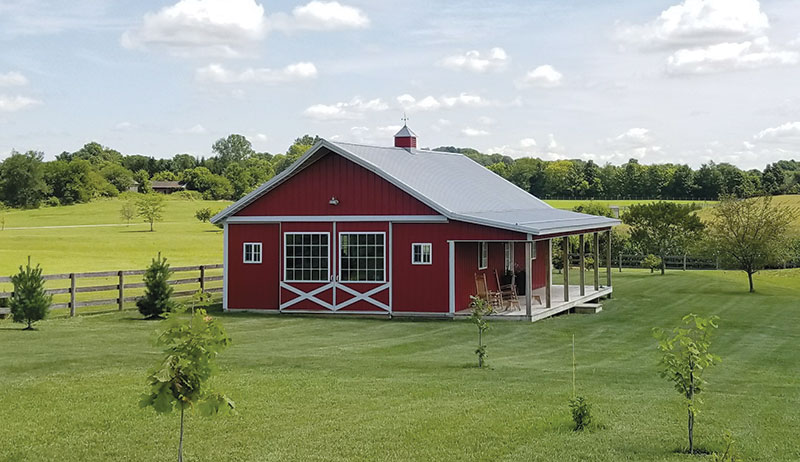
point(180, 380)
point(30, 302)
point(151, 208)
point(652, 262)
point(157, 292)
point(685, 357)
point(128, 212)
point(661, 228)
point(750, 233)
point(203, 215)
point(480, 308)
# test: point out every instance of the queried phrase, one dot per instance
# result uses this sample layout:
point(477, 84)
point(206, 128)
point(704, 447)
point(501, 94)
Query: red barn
point(397, 231)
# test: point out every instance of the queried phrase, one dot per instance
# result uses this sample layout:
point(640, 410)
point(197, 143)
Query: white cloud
point(699, 22)
point(465, 99)
point(318, 15)
point(194, 130)
point(431, 103)
point(124, 126)
point(553, 145)
point(474, 132)
point(206, 27)
point(527, 142)
point(486, 120)
point(217, 73)
point(474, 61)
point(16, 103)
point(12, 79)
point(728, 56)
point(354, 109)
point(788, 133)
point(543, 76)
point(633, 137)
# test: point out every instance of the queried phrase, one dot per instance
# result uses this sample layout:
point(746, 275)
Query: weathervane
point(404, 119)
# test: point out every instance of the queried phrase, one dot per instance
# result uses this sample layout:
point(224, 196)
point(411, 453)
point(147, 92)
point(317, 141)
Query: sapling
point(580, 407)
point(480, 309)
point(30, 301)
point(157, 294)
point(685, 357)
point(180, 380)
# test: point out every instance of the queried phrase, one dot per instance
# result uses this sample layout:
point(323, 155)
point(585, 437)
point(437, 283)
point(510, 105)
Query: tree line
point(235, 168)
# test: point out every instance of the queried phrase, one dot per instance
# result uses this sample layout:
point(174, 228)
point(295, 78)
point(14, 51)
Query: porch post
point(608, 260)
point(548, 286)
point(452, 277)
point(565, 258)
point(528, 277)
point(596, 251)
point(582, 265)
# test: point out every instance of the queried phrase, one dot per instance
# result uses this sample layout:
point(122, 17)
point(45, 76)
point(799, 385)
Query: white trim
point(422, 253)
point(508, 257)
point(252, 252)
point(483, 245)
point(311, 296)
point(390, 263)
point(342, 218)
point(328, 278)
point(452, 276)
point(365, 296)
point(339, 258)
point(225, 267)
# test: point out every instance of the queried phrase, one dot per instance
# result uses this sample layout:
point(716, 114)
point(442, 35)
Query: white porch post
point(452, 279)
point(224, 265)
point(548, 286)
point(528, 278)
point(582, 265)
point(565, 265)
point(596, 251)
point(608, 260)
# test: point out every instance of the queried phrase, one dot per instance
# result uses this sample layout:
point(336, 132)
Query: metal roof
point(452, 184)
point(405, 132)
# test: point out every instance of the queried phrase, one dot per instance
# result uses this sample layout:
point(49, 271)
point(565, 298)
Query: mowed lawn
point(93, 237)
point(360, 389)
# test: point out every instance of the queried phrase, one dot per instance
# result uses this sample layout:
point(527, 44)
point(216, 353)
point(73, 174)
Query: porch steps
point(588, 308)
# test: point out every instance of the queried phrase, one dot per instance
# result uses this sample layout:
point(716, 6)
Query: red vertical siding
point(253, 285)
point(359, 192)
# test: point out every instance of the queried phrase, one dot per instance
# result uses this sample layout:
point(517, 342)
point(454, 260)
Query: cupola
point(405, 138)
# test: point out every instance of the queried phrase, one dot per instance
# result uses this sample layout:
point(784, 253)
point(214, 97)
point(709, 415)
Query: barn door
point(307, 283)
point(362, 282)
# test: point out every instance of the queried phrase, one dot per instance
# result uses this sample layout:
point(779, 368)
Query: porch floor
point(538, 308)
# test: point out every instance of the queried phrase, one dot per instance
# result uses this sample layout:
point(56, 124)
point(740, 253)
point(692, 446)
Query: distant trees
point(750, 233)
point(22, 180)
point(30, 302)
point(151, 208)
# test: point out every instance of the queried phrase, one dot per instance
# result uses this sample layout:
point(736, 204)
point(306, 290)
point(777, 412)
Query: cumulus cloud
point(474, 61)
point(353, 109)
point(633, 137)
point(699, 22)
point(318, 15)
point(527, 143)
point(16, 103)
point(194, 130)
point(788, 133)
point(216, 73)
point(474, 132)
point(12, 79)
point(207, 27)
point(431, 103)
point(728, 56)
point(545, 76)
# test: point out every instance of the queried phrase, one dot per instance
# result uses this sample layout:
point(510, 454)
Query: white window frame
point(339, 258)
point(301, 233)
point(422, 246)
point(508, 261)
point(533, 250)
point(483, 255)
point(253, 252)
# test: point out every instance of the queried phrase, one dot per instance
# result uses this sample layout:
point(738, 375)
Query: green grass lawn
point(180, 237)
point(350, 389)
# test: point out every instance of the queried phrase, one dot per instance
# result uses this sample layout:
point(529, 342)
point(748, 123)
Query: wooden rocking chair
point(494, 299)
point(508, 292)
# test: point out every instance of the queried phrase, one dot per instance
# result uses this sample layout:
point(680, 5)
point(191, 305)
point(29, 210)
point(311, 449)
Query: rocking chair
point(508, 292)
point(494, 299)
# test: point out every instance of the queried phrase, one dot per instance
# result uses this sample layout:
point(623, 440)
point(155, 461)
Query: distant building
point(166, 187)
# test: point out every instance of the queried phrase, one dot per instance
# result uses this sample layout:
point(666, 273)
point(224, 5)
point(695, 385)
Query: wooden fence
point(681, 262)
point(119, 288)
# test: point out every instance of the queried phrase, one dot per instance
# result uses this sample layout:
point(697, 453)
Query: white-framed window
point(362, 257)
point(306, 257)
point(509, 256)
point(421, 253)
point(533, 251)
point(483, 255)
point(251, 252)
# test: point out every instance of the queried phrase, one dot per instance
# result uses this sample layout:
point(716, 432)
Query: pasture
point(358, 389)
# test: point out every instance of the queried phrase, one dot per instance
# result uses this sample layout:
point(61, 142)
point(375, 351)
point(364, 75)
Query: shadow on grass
point(702, 452)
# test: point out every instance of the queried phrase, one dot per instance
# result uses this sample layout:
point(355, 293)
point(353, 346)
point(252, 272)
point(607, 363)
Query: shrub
point(30, 302)
point(581, 412)
point(203, 215)
point(157, 294)
point(187, 195)
point(52, 201)
point(652, 262)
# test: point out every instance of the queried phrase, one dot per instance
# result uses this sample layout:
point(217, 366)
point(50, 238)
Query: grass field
point(68, 239)
point(569, 204)
point(348, 389)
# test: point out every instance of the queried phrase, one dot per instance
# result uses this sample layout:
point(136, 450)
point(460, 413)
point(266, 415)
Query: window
point(306, 257)
point(421, 254)
point(509, 256)
point(252, 252)
point(483, 255)
point(361, 257)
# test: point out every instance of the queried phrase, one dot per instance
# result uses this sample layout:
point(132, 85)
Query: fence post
point(121, 288)
point(620, 262)
point(684, 262)
point(202, 278)
point(72, 294)
point(717, 261)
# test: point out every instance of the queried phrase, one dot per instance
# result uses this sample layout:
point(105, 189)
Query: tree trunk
point(480, 344)
point(180, 441)
point(663, 265)
point(151, 226)
point(750, 278)
point(691, 430)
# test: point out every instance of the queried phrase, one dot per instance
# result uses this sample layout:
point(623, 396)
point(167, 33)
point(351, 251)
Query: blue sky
point(659, 81)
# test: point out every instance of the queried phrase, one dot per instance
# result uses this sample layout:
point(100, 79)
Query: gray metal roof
point(452, 184)
point(405, 132)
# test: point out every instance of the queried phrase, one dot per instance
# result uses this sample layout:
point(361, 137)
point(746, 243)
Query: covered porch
point(543, 293)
